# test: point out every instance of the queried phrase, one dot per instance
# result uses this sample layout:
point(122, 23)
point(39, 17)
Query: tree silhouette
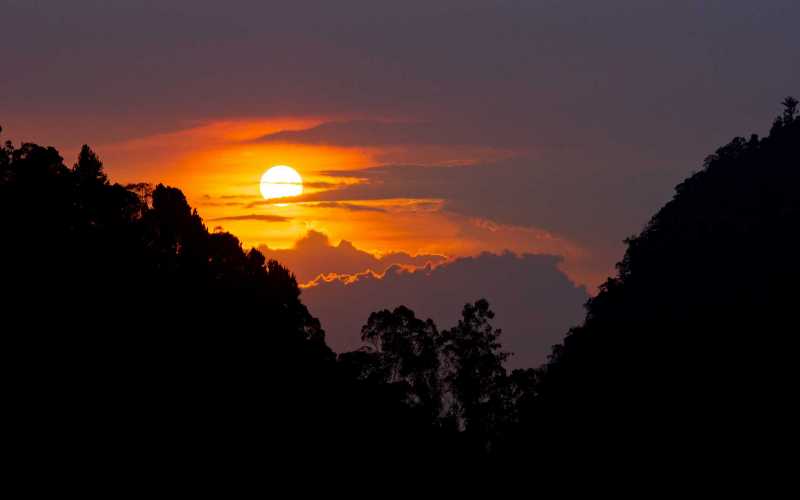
point(693, 341)
point(123, 304)
point(118, 301)
point(475, 374)
point(790, 110)
point(455, 378)
point(89, 168)
point(406, 349)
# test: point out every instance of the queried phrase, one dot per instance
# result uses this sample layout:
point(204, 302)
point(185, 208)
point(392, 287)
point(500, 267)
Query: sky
point(432, 136)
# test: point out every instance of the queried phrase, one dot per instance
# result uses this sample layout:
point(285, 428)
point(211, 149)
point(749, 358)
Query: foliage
point(454, 378)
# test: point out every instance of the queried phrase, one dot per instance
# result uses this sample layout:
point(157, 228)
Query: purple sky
point(599, 108)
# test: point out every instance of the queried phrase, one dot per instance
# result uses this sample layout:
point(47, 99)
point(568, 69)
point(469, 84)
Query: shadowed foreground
point(134, 335)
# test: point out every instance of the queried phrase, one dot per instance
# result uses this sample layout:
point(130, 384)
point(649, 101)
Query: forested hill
point(131, 331)
point(694, 342)
point(102, 257)
point(128, 326)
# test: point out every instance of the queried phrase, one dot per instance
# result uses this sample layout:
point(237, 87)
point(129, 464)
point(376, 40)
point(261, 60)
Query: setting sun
point(281, 181)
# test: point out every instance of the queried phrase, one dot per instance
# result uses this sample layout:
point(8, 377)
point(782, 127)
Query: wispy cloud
point(359, 133)
point(221, 203)
point(382, 133)
point(353, 207)
point(323, 185)
point(314, 255)
point(268, 203)
point(236, 197)
point(226, 200)
point(256, 217)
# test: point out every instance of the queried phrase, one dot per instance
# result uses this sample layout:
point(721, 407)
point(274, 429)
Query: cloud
point(509, 68)
point(371, 133)
point(490, 73)
point(267, 203)
point(348, 206)
point(208, 197)
point(321, 185)
point(314, 255)
point(324, 187)
point(221, 203)
point(256, 217)
point(525, 192)
point(232, 197)
point(534, 301)
point(572, 196)
point(534, 76)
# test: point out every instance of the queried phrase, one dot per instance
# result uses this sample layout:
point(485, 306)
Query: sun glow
point(281, 181)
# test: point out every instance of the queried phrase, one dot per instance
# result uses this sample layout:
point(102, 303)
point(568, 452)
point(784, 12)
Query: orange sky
point(546, 102)
point(218, 165)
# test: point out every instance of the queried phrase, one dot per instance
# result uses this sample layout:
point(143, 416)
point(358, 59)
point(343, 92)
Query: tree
point(788, 117)
point(119, 303)
point(406, 349)
point(790, 110)
point(89, 168)
point(475, 375)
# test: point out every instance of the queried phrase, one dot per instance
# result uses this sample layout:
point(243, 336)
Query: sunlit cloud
point(533, 299)
point(314, 257)
point(374, 133)
point(353, 207)
point(415, 208)
point(255, 217)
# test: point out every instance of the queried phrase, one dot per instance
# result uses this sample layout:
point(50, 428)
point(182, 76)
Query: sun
point(281, 181)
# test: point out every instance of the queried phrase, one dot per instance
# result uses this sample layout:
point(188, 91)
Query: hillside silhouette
point(132, 332)
point(693, 345)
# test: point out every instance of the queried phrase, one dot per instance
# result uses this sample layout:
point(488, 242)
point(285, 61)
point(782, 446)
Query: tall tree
point(407, 354)
point(89, 168)
point(475, 375)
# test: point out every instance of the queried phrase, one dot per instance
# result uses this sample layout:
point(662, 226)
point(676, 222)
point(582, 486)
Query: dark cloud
point(348, 206)
point(221, 203)
point(595, 204)
point(256, 217)
point(612, 106)
point(591, 201)
point(368, 133)
point(228, 200)
point(322, 185)
point(534, 301)
point(314, 255)
point(515, 72)
point(353, 207)
point(327, 187)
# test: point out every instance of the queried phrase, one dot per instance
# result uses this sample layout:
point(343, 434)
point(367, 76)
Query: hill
point(131, 332)
point(694, 343)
